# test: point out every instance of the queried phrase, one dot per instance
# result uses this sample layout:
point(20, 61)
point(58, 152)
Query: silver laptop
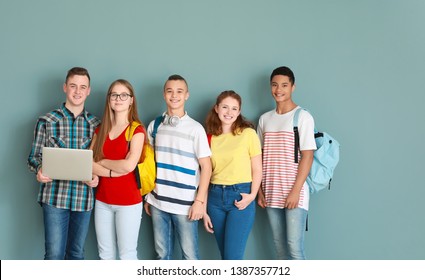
point(67, 164)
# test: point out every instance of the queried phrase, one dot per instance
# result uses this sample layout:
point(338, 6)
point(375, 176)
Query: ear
point(216, 108)
point(64, 87)
point(187, 96)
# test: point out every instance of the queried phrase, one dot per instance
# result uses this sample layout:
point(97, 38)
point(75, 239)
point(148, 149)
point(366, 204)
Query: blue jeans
point(65, 233)
point(288, 228)
point(231, 225)
point(166, 227)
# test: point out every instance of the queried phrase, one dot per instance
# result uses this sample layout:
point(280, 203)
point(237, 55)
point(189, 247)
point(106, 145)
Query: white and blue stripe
point(177, 150)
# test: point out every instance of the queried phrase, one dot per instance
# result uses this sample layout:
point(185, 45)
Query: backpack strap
point(296, 134)
point(156, 124)
point(130, 131)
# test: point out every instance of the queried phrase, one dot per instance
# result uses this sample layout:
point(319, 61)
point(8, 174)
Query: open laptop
point(67, 164)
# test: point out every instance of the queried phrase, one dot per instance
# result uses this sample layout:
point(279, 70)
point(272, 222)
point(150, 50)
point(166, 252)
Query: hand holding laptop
point(94, 182)
point(41, 178)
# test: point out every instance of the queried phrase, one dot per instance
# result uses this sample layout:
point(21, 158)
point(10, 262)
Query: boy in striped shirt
point(284, 193)
point(182, 156)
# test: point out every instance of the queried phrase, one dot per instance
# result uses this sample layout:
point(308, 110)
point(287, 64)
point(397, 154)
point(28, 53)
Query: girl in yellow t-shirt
point(236, 175)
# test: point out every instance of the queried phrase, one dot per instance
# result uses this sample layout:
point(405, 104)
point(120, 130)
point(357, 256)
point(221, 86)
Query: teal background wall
point(359, 69)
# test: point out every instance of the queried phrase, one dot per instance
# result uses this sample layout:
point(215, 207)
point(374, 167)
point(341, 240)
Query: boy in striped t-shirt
point(284, 193)
point(183, 166)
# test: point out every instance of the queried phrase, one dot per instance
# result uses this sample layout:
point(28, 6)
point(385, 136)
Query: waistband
point(248, 184)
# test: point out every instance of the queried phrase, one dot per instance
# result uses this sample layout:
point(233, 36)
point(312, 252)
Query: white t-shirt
point(177, 150)
point(278, 142)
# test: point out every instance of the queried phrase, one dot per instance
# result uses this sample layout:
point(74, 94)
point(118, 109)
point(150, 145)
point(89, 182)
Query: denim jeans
point(288, 228)
point(65, 233)
point(117, 226)
point(166, 227)
point(231, 226)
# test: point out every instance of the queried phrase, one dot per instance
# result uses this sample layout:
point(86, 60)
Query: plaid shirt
point(60, 128)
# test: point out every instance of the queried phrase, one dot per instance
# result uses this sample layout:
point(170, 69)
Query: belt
point(226, 186)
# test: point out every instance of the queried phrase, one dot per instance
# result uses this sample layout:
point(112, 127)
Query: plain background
point(359, 68)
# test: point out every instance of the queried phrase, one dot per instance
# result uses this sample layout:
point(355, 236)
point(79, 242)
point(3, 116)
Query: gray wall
point(359, 67)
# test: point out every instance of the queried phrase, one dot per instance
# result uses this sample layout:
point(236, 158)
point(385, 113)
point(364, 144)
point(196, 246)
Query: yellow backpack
point(145, 170)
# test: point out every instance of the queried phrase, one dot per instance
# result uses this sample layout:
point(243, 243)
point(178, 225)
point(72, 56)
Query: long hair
point(109, 115)
point(213, 123)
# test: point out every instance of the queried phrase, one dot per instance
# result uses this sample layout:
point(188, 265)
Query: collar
point(68, 113)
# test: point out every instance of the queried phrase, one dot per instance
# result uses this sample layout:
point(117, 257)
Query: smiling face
point(175, 95)
point(281, 88)
point(76, 88)
point(228, 110)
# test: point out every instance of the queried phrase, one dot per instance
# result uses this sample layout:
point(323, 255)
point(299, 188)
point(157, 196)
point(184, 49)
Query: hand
point(94, 182)
point(41, 178)
point(147, 209)
point(197, 211)
point(247, 198)
point(292, 200)
point(261, 200)
point(208, 224)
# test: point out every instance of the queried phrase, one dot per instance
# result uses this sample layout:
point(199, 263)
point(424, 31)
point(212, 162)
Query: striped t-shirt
point(279, 168)
point(177, 150)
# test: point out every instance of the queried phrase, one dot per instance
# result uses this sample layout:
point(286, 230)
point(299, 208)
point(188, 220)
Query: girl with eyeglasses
point(119, 206)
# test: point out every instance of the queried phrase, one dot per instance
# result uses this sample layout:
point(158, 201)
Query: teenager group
point(213, 174)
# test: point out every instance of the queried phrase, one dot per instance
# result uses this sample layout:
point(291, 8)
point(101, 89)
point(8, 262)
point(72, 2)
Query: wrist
point(297, 187)
point(251, 196)
point(198, 200)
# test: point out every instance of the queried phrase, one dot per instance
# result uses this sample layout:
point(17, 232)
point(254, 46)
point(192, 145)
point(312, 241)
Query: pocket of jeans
point(213, 195)
point(236, 194)
point(245, 188)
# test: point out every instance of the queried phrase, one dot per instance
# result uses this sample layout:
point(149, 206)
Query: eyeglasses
point(122, 96)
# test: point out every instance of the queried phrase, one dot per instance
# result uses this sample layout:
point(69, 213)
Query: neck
point(121, 119)
point(76, 110)
point(285, 107)
point(176, 112)
point(226, 128)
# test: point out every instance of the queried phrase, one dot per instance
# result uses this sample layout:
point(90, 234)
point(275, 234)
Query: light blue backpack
point(326, 158)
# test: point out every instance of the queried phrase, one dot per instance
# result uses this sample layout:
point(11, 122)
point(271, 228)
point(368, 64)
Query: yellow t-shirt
point(231, 157)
